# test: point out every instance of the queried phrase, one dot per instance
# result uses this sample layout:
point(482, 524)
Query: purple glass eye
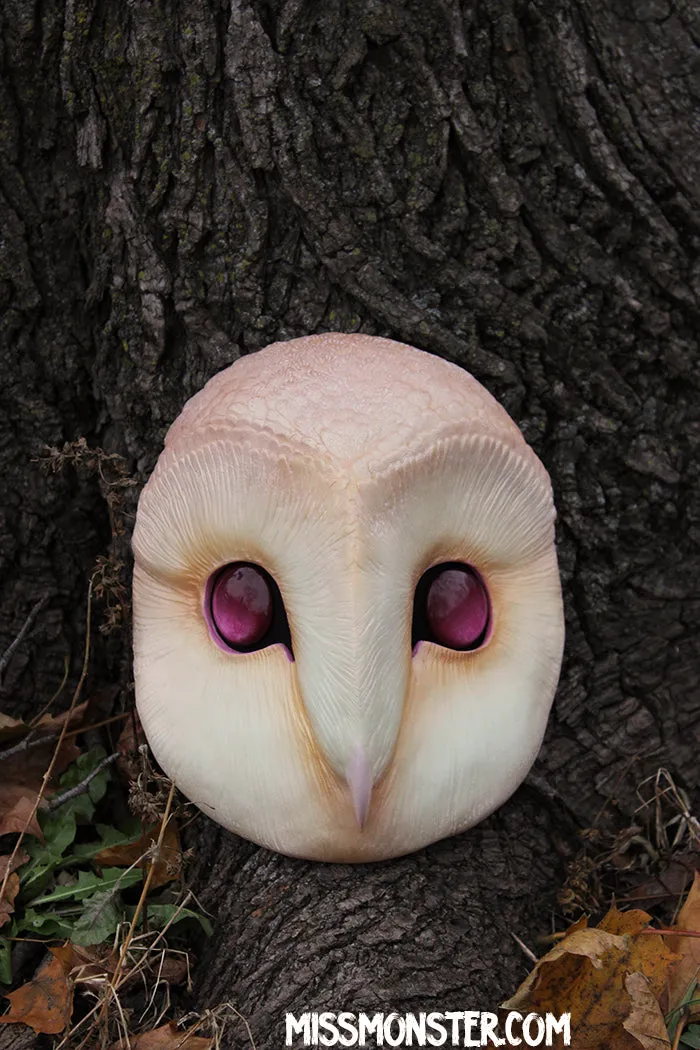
point(452, 607)
point(241, 604)
point(458, 608)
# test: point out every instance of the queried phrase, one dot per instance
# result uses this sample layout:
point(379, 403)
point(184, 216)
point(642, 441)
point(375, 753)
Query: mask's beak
point(358, 774)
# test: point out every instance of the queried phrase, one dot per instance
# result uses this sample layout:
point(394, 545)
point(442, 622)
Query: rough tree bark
point(511, 184)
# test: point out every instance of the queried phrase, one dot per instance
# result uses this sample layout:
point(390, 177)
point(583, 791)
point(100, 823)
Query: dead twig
point(25, 628)
point(24, 744)
point(49, 703)
point(524, 948)
point(31, 740)
point(117, 978)
point(82, 787)
point(217, 1020)
point(665, 789)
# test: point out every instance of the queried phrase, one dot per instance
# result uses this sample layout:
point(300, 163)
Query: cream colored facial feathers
point(343, 475)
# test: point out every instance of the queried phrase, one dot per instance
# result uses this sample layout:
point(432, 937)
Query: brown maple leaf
point(687, 967)
point(609, 979)
point(46, 1002)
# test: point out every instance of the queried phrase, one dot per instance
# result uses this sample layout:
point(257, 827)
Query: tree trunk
point(511, 184)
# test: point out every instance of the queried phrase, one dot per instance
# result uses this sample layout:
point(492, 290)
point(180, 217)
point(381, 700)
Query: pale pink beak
point(358, 774)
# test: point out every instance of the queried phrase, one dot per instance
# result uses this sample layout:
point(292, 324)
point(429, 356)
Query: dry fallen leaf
point(167, 866)
point(687, 967)
point(587, 974)
point(23, 771)
point(12, 887)
point(17, 810)
point(167, 1037)
point(132, 736)
point(10, 728)
point(650, 954)
point(46, 1002)
point(91, 965)
point(13, 729)
point(672, 881)
point(645, 1022)
point(8, 898)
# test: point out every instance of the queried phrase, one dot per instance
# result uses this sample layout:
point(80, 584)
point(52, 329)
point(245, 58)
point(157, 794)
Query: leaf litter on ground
point(626, 984)
point(24, 763)
point(71, 882)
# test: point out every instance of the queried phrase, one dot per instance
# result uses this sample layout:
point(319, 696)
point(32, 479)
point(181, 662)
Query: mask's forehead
point(357, 399)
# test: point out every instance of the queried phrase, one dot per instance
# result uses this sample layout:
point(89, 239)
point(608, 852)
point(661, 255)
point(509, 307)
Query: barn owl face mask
point(348, 622)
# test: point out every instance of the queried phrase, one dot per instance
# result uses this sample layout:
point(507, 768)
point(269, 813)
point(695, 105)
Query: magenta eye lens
point(241, 605)
point(458, 608)
point(244, 610)
point(452, 607)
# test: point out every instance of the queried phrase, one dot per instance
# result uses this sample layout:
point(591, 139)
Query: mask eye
point(244, 610)
point(451, 607)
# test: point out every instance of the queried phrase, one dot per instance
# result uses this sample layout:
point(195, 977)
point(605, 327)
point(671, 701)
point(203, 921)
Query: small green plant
point(688, 1038)
point(65, 892)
